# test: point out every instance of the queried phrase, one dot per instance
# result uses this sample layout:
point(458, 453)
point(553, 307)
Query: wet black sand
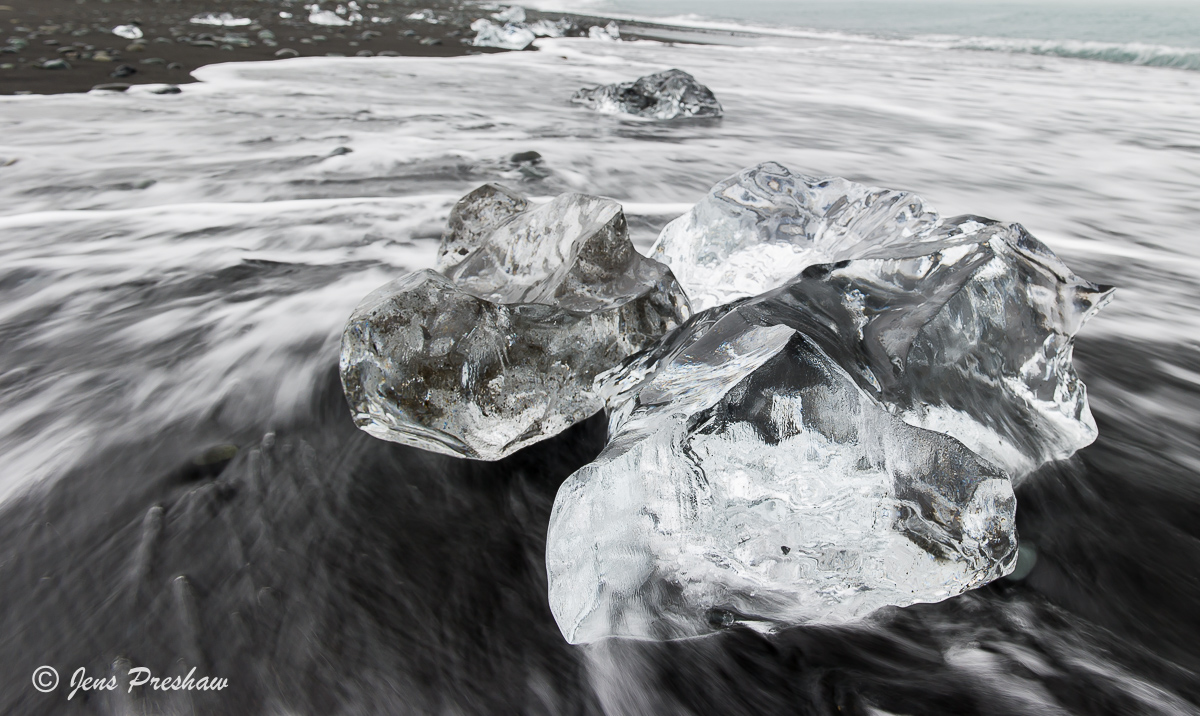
point(79, 32)
point(322, 571)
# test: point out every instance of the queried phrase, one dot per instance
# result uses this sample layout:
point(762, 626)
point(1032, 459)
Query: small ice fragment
point(428, 16)
point(514, 14)
point(128, 32)
point(223, 20)
point(328, 18)
point(609, 33)
point(546, 28)
point(285, 15)
point(508, 37)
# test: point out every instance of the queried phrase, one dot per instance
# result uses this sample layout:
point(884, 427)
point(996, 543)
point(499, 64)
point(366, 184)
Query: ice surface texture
point(842, 441)
point(665, 95)
point(501, 349)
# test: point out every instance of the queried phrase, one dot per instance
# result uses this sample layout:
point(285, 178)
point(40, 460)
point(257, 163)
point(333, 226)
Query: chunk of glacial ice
point(225, 19)
point(665, 95)
point(128, 32)
point(609, 33)
point(765, 224)
point(329, 18)
point(749, 479)
point(964, 326)
point(501, 350)
point(509, 36)
point(514, 14)
point(548, 28)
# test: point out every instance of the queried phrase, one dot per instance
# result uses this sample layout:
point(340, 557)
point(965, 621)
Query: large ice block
point(501, 350)
point(665, 95)
point(749, 479)
point(844, 439)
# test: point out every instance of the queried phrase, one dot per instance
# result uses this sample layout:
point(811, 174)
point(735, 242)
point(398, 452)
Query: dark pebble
point(286, 52)
point(124, 71)
point(203, 43)
point(169, 89)
point(531, 157)
point(389, 53)
point(154, 61)
point(364, 53)
point(340, 151)
point(55, 65)
point(112, 87)
point(431, 41)
point(174, 66)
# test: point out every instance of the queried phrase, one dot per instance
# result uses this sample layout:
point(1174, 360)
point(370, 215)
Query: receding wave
point(1132, 53)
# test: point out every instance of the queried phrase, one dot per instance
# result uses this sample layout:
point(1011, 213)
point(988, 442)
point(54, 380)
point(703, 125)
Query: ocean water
point(181, 480)
point(1156, 33)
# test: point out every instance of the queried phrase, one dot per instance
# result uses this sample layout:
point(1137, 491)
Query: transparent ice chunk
point(749, 479)
point(964, 325)
point(509, 36)
point(665, 95)
point(765, 224)
point(974, 340)
point(501, 351)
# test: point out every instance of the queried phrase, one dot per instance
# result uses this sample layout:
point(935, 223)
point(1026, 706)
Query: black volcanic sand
point(80, 33)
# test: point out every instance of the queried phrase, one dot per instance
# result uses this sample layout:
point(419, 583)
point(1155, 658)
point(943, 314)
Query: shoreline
point(67, 46)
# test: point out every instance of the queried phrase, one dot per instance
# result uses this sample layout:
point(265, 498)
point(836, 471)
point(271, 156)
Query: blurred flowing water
point(183, 486)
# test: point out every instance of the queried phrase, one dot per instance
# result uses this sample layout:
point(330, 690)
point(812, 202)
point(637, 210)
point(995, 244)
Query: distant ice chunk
point(665, 95)
point(609, 33)
point(501, 350)
point(514, 14)
point(128, 32)
point(508, 37)
point(964, 326)
point(749, 479)
point(223, 20)
point(428, 16)
point(547, 28)
point(329, 18)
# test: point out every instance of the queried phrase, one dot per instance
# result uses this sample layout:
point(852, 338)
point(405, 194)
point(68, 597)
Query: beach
point(181, 479)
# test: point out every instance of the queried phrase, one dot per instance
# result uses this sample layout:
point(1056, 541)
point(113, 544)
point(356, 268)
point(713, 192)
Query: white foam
point(116, 201)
